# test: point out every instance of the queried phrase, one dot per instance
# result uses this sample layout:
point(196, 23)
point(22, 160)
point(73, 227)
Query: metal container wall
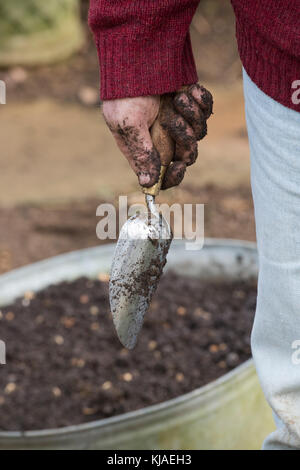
point(229, 413)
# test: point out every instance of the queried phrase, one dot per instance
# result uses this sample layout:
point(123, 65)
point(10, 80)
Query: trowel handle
point(163, 143)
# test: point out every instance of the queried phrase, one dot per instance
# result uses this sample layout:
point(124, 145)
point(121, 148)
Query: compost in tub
point(65, 366)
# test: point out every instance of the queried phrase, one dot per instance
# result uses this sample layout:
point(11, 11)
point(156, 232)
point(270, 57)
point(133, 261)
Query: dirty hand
point(130, 120)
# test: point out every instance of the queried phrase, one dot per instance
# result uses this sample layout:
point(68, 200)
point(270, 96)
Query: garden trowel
point(141, 252)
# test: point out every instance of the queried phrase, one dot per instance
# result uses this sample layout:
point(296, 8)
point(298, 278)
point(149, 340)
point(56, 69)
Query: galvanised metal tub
point(229, 413)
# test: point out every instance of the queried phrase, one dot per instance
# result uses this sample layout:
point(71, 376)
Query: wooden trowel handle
point(163, 143)
point(161, 139)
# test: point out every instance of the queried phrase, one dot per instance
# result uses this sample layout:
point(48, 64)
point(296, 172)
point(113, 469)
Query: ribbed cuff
point(131, 68)
point(270, 68)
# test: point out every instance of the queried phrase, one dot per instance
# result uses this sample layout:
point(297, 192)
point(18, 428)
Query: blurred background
point(58, 161)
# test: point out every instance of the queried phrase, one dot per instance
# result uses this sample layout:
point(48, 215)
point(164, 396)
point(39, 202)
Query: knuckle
point(181, 131)
point(195, 89)
point(204, 97)
point(181, 100)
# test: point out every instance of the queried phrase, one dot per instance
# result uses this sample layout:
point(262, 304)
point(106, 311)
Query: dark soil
point(65, 365)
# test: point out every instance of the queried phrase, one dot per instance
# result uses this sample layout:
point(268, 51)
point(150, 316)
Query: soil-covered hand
point(130, 120)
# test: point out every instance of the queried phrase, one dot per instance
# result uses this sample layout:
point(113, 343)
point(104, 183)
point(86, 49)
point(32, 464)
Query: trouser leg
point(274, 136)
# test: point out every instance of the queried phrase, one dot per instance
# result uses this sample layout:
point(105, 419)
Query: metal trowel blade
point(137, 265)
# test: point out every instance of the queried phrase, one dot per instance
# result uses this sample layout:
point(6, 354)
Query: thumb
point(136, 144)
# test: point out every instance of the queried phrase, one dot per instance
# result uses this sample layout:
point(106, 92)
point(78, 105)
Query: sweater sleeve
point(144, 46)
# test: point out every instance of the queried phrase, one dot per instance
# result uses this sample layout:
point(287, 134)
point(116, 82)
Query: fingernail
point(144, 179)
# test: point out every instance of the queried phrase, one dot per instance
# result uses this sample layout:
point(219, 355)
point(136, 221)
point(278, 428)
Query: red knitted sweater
point(144, 46)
